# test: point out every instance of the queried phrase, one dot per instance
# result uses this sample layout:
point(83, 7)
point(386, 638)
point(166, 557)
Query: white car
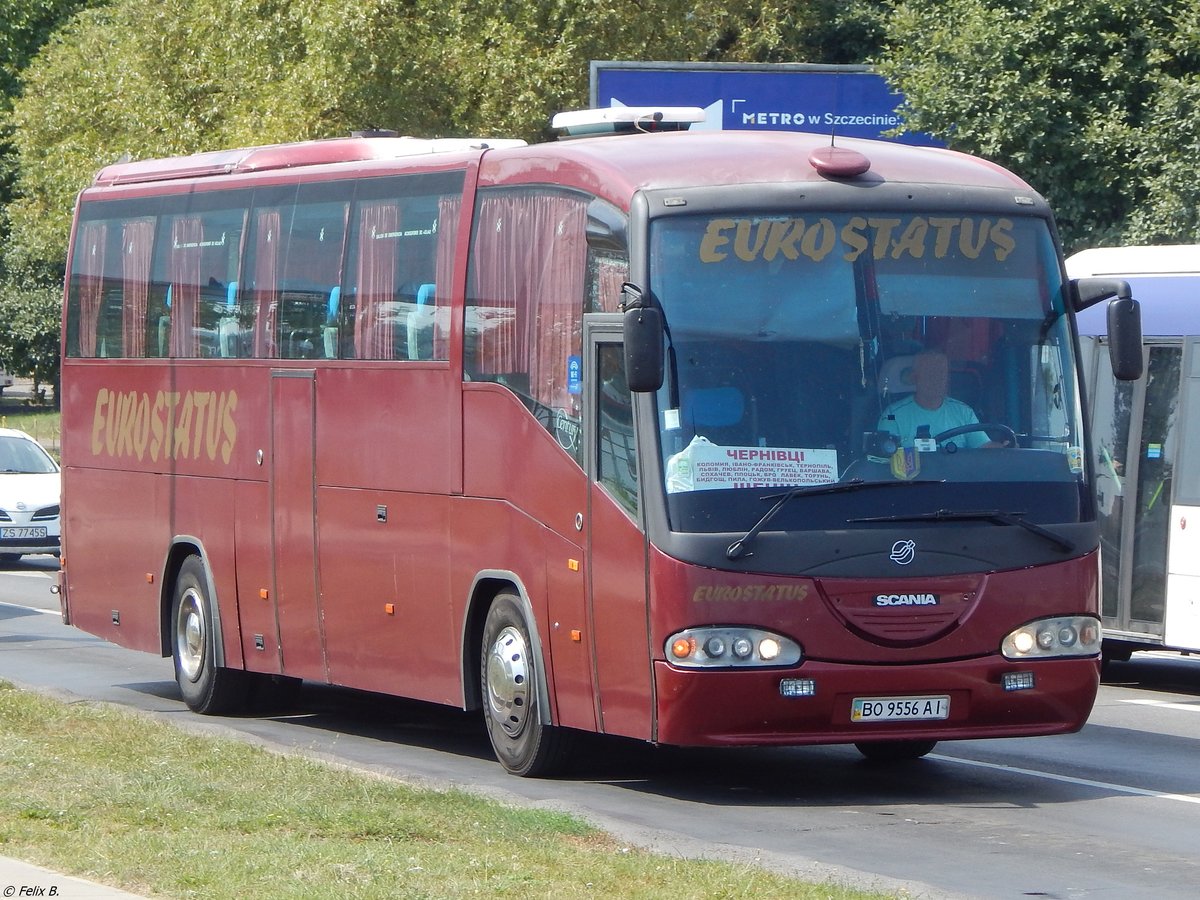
point(30, 485)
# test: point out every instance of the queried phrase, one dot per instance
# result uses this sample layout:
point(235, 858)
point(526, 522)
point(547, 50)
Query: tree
point(141, 78)
point(29, 339)
point(1083, 98)
point(25, 26)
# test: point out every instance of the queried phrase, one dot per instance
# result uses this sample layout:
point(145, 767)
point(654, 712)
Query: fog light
point(1017, 681)
point(797, 687)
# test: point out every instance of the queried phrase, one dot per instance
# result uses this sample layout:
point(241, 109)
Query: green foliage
point(123, 799)
point(25, 26)
point(29, 339)
point(143, 78)
point(1083, 98)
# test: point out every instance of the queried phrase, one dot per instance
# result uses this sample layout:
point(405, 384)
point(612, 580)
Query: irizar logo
point(906, 599)
point(903, 552)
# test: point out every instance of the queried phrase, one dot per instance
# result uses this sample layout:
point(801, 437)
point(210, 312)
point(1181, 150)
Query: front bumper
point(708, 707)
point(22, 546)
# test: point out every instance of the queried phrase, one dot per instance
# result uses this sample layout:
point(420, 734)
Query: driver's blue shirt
point(906, 416)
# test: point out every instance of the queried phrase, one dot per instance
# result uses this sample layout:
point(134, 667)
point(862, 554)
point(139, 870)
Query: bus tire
point(206, 688)
point(894, 751)
point(524, 743)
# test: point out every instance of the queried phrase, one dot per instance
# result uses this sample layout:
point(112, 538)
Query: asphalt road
point(1113, 811)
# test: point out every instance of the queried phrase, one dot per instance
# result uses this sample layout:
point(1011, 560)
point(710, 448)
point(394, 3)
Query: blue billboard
point(849, 101)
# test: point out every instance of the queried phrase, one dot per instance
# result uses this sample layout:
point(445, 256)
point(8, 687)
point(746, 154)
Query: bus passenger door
point(615, 542)
point(296, 602)
point(1135, 447)
point(1183, 558)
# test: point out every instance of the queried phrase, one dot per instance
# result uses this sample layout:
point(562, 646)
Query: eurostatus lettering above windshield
point(811, 349)
point(884, 237)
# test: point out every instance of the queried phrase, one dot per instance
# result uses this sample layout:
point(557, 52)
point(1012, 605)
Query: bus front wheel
point(206, 687)
point(524, 742)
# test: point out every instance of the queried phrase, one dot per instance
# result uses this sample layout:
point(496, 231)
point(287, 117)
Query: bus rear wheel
point(894, 751)
point(206, 687)
point(524, 743)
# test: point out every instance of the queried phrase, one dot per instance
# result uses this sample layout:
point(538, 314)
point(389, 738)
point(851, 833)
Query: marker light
point(731, 647)
point(1017, 681)
point(1049, 638)
point(798, 687)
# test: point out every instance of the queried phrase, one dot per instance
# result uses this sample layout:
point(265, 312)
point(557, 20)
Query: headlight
point(730, 647)
point(1047, 638)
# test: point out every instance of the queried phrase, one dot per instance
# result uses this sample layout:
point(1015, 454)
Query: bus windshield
point(869, 347)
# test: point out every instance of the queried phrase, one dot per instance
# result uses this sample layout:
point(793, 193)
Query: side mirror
point(1125, 338)
point(1124, 322)
point(644, 349)
point(643, 341)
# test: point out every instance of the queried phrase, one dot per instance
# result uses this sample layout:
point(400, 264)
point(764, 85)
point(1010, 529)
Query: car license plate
point(899, 709)
point(17, 533)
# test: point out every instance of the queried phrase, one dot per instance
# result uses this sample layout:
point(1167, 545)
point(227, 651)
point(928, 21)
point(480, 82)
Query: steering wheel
point(1010, 435)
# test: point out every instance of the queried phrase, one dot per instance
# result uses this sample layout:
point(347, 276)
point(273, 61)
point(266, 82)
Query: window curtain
point(555, 323)
point(187, 233)
point(267, 238)
point(449, 217)
point(375, 312)
point(93, 237)
point(610, 275)
point(137, 240)
point(528, 273)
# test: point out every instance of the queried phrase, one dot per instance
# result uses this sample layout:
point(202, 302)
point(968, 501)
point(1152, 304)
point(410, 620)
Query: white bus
point(1146, 452)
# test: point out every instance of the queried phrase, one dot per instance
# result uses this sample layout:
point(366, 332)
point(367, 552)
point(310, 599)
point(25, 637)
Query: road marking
point(1068, 779)
point(36, 609)
point(1166, 704)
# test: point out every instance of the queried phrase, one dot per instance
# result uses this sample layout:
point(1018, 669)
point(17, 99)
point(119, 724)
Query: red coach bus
point(599, 435)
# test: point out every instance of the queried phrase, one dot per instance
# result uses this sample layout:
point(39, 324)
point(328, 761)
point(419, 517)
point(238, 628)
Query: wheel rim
point(508, 685)
point(190, 635)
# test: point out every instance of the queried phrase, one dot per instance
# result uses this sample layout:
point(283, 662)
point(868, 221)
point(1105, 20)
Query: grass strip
point(110, 795)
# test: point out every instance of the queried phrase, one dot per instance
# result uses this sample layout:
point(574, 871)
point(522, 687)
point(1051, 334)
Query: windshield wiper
point(979, 515)
point(740, 547)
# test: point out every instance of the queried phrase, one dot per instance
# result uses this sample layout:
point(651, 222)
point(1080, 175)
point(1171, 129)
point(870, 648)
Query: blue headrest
point(335, 297)
point(425, 294)
point(714, 407)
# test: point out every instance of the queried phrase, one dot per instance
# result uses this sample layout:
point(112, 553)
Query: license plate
point(17, 533)
point(899, 709)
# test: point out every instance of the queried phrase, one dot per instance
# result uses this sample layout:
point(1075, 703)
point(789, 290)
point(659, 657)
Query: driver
point(929, 407)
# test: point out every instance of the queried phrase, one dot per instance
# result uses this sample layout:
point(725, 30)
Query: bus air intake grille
point(905, 616)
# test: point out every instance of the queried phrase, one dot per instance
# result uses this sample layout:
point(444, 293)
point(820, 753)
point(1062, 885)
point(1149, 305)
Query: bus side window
point(312, 267)
point(538, 255)
point(402, 238)
point(196, 259)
